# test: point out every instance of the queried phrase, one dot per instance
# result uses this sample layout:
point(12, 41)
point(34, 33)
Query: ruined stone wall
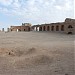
point(69, 22)
point(20, 28)
point(52, 27)
point(58, 27)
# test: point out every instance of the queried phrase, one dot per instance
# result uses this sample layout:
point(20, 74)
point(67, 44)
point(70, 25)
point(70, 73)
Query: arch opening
point(70, 26)
point(62, 28)
point(70, 29)
point(69, 32)
point(57, 28)
point(19, 29)
point(40, 28)
point(48, 28)
point(24, 29)
point(52, 28)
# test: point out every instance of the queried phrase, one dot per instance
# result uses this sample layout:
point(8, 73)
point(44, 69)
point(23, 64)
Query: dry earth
point(36, 53)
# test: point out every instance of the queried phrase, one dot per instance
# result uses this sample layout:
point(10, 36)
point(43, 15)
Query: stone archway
point(18, 30)
point(70, 26)
point(48, 28)
point(24, 29)
point(40, 28)
point(57, 28)
point(62, 27)
point(52, 28)
point(70, 29)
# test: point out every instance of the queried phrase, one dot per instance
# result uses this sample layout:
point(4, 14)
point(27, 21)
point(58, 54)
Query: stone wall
point(67, 26)
point(20, 28)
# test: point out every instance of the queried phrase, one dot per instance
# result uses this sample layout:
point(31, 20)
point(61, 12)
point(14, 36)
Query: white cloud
point(58, 7)
point(4, 10)
point(16, 5)
point(37, 10)
point(67, 6)
point(6, 2)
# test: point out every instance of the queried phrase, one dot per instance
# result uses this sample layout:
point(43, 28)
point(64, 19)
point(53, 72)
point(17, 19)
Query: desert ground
point(37, 53)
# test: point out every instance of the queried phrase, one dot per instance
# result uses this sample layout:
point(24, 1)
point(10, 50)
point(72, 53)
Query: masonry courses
point(68, 26)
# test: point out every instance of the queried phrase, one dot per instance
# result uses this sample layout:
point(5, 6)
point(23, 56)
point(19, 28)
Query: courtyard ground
point(37, 53)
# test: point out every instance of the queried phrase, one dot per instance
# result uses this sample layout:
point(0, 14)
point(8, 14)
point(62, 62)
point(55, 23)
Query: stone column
point(45, 28)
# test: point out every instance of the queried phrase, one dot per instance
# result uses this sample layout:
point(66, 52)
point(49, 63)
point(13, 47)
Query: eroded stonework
point(68, 26)
point(23, 27)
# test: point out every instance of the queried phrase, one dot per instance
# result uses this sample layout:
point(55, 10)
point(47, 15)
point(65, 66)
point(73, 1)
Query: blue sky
point(16, 12)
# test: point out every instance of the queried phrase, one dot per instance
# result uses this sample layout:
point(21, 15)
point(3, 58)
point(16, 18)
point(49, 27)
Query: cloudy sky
point(14, 12)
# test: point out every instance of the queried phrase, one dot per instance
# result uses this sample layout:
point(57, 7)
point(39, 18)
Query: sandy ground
point(37, 53)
